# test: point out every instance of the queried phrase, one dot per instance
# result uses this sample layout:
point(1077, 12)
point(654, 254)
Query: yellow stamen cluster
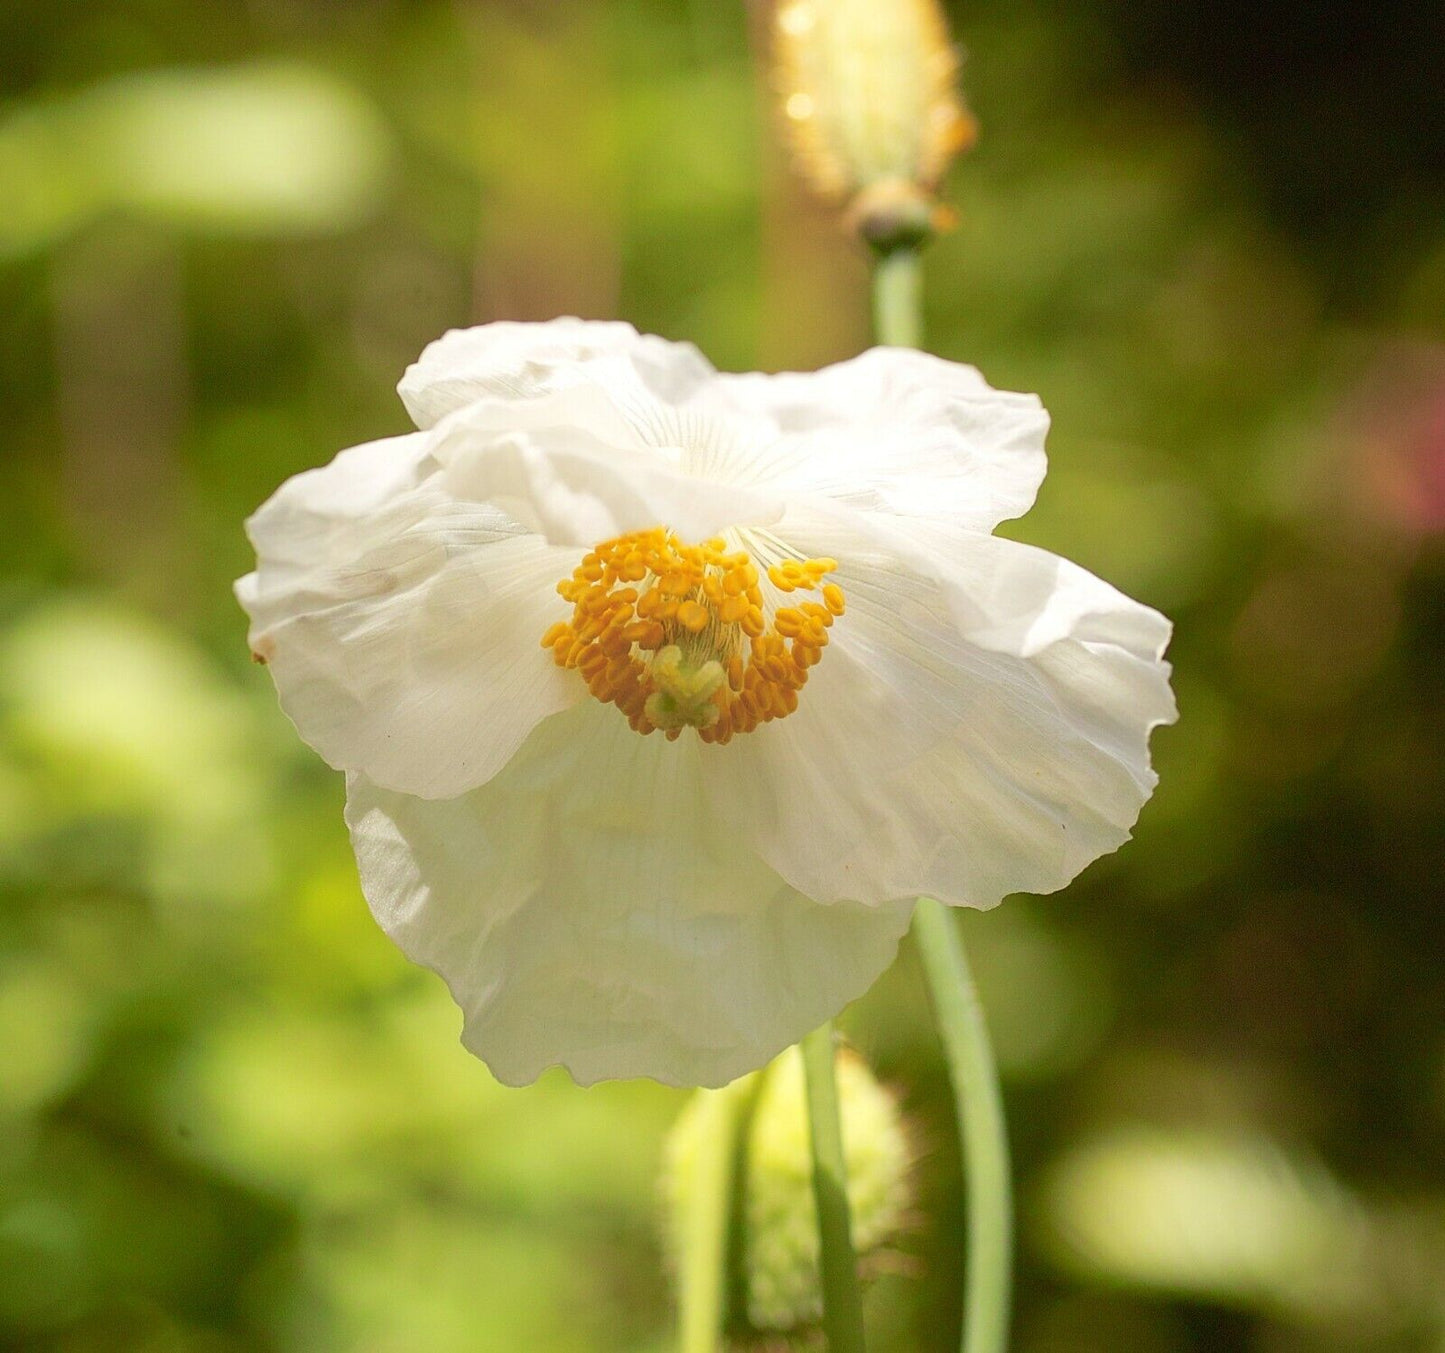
point(679, 636)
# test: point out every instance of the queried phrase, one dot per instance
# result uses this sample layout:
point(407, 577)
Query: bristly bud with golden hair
point(868, 95)
point(776, 1299)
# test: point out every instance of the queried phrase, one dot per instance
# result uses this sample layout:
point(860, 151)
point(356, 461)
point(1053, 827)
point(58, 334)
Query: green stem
point(702, 1296)
point(842, 1303)
point(984, 1145)
point(898, 299)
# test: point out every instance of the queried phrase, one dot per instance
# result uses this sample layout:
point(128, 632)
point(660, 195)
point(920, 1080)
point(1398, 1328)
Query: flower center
point(679, 636)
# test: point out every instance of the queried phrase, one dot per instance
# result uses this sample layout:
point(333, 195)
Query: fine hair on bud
point(869, 104)
point(776, 1294)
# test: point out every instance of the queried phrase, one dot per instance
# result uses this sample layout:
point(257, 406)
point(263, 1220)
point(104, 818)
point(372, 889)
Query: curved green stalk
point(837, 1266)
point(983, 1133)
point(898, 299)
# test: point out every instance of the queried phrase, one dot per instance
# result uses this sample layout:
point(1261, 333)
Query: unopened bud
point(777, 1284)
point(870, 105)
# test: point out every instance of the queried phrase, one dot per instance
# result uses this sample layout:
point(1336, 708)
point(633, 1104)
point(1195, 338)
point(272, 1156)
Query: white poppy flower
point(665, 822)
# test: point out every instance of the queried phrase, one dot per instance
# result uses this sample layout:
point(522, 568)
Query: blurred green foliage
point(232, 1117)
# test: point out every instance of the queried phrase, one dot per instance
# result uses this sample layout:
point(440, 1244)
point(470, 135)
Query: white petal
point(402, 627)
point(521, 361)
point(322, 511)
point(579, 466)
point(587, 909)
point(902, 432)
point(961, 761)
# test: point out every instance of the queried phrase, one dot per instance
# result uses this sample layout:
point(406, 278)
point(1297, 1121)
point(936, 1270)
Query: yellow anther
point(692, 615)
point(819, 613)
point(614, 643)
point(693, 644)
point(733, 609)
point(788, 622)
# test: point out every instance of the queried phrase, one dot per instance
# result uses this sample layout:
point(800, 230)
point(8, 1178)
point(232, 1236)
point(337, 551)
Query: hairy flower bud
point(776, 1284)
point(869, 102)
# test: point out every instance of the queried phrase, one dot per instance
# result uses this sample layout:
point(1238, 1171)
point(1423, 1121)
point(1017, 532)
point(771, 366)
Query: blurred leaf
point(275, 147)
point(1233, 1217)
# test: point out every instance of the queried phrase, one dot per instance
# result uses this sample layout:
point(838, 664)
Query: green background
point(232, 1116)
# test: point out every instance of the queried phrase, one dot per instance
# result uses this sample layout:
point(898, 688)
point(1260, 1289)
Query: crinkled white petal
point(587, 908)
point(305, 520)
point(518, 362)
point(967, 735)
point(579, 467)
point(400, 624)
point(900, 432)
point(893, 430)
